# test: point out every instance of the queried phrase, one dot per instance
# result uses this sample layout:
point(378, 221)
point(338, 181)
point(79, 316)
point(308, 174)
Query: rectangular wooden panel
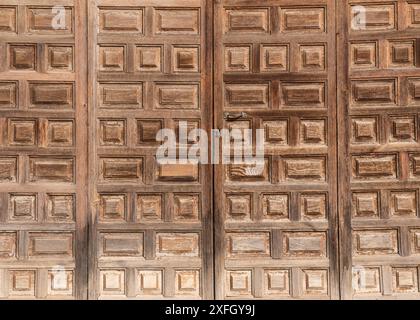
point(378, 149)
point(43, 218)
point(151, 223)
point(276, 228)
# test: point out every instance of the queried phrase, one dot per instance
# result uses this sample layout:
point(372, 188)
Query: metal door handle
point(234, 116)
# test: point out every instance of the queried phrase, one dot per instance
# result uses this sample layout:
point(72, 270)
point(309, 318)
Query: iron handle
point(234, 116)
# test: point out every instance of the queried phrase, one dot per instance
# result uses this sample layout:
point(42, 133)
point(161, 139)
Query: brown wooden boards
point(151, 224)
point(86, 211)
point(379, 152)
point(275, 230)
point(43, 149)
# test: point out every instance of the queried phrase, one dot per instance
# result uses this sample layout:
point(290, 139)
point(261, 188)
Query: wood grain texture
point(378, 146)
point(86, 212)
point(43, 125)
point(276, 232)
point(151, 224)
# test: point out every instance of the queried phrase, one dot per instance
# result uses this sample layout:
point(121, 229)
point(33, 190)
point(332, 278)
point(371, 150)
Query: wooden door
point(43, 149)
point(379, 154)
point(151, 234)
point(86, 211)
point(276, 230)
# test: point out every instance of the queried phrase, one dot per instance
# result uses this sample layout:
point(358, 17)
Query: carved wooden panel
point(276, 228)
point(42, 150)
point(151, 234)
point(378, 148)
point(151, 225)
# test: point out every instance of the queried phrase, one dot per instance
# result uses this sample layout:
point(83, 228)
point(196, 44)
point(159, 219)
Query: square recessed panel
point(22, 132)
point(150, 207)
point(276, 132)
point(150, 282)
point(22, 283)
point(405, 280)
point(8, 245)
point(23, 207)
point(403, 203)
point(60, 133)
point(274, 58)
point(148, 130)
point(22, 57)
point(237, 58)
point(401, 54)
point(8, 94)
point(275, 206)
point(112, 207)
point(313, 206)
point(186, 59)
point(364, 130)
point(415, 241)
point(238, 130)
point(415, 165)
point(187, 282)
point(312, 58)
point(277, 282)
point(413, 15)
point(112, 282)
point(403, 129)
point(60, 58)
point(60, 283)
point(187, 207)
point(315, 282)
point(60, 207)
point(414, 91)
point(239, 206)
point(112, 132)
point(313, 132)
point(367, 280)
point(8, 19)
point(8, 169)
point(363, 55)
point(148, 59)
point(238, 283)
point(186, 131)
point(365, 205)
point(111, 58)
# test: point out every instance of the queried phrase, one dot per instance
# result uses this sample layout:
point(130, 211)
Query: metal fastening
point(234, 116)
